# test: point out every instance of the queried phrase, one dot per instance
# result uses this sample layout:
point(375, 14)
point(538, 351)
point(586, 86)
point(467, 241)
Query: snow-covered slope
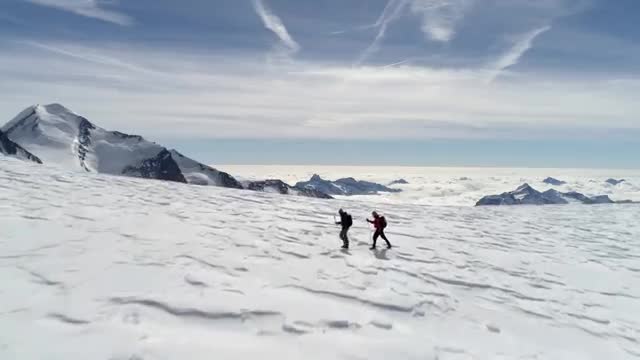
point(200, 174)
point(104, 267)
point(10, 148)
point(59, 136)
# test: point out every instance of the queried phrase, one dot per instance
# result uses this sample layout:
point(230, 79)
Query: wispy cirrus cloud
point(440, 17)
point(273, 23)
point(391, 12)
point(330, 100)
point(88, 55)
point(521, 44)
point(88, 8)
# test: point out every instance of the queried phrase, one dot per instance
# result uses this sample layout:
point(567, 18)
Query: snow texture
point(344, 186)
point(105, 267)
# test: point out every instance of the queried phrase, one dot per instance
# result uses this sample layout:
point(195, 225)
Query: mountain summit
point(59, 136)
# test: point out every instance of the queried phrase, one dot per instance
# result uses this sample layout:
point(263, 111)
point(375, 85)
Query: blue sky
point(408, 82)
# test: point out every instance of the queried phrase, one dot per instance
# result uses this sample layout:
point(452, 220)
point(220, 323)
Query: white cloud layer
point(88, 8)
point(150, 91)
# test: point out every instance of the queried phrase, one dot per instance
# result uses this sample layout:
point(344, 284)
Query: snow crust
point(104, 267)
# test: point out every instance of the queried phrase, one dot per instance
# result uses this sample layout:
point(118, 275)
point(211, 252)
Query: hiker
point(379, 223)
point(346, 221)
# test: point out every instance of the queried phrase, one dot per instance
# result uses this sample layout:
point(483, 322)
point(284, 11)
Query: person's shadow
point(381, 254)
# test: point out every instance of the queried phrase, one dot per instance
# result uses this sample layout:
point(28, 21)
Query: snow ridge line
point(375, 304)
point(194, 313)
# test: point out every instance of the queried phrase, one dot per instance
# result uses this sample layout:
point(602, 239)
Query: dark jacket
point(345, 220)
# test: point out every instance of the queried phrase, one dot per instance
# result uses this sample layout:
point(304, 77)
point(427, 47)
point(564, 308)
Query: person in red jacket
point(379, 223)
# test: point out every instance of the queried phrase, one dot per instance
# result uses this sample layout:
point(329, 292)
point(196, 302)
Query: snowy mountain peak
point(525, 188)
point(52, 115)
point(60, 136)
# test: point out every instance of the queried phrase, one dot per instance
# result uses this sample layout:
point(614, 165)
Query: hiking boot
point(372, 248)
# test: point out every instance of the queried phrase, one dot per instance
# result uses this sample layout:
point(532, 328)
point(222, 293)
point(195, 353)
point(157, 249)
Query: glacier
point(96, 266)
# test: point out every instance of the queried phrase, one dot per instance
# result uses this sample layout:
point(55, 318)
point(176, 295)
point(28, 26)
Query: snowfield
point(103, 267)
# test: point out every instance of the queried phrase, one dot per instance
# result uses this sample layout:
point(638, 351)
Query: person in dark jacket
point(379, 223)
point(345, 221)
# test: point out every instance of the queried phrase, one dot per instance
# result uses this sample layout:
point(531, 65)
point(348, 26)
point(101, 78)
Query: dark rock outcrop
point(10, 148)
point(614, 181)
point(84, 141)
point(553, 181)
point(399, 182)
point(161, 167)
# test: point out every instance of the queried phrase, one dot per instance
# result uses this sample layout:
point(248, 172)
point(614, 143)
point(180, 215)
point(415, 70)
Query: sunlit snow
point(104, 267)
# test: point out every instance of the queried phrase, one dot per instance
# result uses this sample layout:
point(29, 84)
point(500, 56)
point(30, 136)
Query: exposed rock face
point(84, 141)
point(10, 148)
point(614, 181)
point(553, 181)
point(399, 182)
point(161, 167)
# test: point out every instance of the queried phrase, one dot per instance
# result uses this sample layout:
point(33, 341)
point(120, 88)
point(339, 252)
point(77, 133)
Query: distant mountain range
point(345, 186)
point(527, 195)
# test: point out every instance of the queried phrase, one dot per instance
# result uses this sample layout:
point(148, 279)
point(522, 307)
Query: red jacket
point(377, 222)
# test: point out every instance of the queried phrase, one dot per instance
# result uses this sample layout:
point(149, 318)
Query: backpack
point(383, 222)
point(348, 220)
